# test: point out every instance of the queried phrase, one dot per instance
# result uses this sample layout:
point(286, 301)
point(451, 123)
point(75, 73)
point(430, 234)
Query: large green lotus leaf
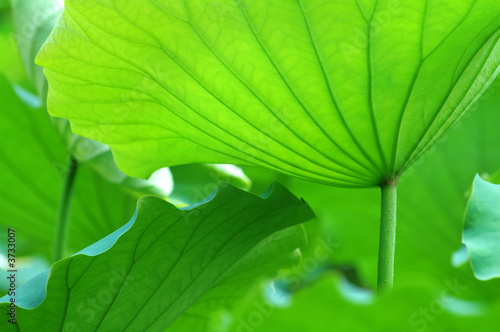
point(482, 229)
point(347, 92)
point(166, 261)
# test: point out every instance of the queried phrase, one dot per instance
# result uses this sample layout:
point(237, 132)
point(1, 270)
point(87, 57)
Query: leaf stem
point(63, 210)
point(387, 241)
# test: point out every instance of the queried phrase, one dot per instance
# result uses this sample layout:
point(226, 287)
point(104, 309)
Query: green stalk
point(63, 210)
point(387, 241)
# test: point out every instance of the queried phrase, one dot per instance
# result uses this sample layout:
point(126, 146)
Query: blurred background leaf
point(482, 229)
point(33, 21)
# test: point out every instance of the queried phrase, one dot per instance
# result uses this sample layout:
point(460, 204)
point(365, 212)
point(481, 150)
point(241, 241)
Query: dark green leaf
point(166, 261)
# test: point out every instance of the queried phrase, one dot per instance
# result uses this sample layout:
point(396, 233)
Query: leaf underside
point(348, 93)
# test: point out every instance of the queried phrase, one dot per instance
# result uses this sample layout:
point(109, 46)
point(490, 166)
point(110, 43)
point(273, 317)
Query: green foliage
point(345, 93)
point(482, 229)
point(167, 261)
point(34, 20)
point(290, 85)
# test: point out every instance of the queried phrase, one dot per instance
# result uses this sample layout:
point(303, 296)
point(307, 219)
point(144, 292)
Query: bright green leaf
point(341, 92)
point(482, 229)
point(166, 261)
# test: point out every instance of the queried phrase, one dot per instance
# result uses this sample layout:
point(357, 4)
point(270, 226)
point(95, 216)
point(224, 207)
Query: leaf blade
point(186, 251)
point(273, 83)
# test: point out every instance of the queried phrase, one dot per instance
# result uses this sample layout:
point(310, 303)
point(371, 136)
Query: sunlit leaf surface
point(348, 93)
